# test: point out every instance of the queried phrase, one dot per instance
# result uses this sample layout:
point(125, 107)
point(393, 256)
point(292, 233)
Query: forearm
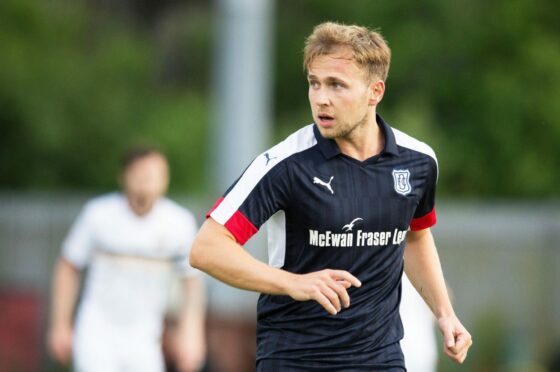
point(193, 309)
point(65, 287)
point(216, 252)
point(423, 268)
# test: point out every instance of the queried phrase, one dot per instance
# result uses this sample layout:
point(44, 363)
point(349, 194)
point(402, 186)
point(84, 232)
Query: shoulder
point(266, 163)
point(104, 203)
point(410, 143)
point(298, 141)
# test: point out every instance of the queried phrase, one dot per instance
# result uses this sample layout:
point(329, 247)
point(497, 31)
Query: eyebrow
point(329, 79)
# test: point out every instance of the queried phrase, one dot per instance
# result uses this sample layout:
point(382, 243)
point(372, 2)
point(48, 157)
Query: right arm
point(65, 286)
point(216, 252)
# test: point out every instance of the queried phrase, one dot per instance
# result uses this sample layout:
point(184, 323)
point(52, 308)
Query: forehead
point(339, 63)
point(151, 161)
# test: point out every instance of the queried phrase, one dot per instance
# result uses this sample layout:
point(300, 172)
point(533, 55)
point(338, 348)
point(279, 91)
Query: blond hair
point(369, 48)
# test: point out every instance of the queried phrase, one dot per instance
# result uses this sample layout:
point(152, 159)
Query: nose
point(319, 97)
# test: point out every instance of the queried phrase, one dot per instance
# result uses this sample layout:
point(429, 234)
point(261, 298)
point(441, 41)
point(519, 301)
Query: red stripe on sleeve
point(241, 228)
point(215, 206)
point(424, 222)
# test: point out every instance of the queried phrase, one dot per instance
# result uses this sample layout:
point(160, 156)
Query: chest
point(129, 236)
point(344, 196)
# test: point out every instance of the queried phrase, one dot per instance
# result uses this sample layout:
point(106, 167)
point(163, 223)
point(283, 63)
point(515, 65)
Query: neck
point(140, 206)
point(364, 142)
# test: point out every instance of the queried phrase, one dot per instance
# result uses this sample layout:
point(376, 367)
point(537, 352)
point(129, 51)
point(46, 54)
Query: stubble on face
point(344, 130)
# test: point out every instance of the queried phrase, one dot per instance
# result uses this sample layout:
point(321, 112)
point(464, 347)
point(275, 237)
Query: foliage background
point(80, 81)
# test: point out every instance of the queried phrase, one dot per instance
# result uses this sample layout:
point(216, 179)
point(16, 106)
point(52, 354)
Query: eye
point(313, 84)
point(336, 85)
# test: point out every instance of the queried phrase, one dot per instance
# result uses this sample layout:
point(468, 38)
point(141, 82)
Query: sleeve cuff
point(239, 225)
point(424, 222)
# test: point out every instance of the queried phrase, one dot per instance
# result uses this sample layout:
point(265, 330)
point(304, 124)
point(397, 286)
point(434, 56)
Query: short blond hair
point(369, 48)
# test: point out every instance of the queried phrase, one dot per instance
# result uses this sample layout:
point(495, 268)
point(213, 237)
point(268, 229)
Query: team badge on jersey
point(402, 181)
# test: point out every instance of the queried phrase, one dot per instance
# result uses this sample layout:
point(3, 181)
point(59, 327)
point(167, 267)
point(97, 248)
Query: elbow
point(197, 257)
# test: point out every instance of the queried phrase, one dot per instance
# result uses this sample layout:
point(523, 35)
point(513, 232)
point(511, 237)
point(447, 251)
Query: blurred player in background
point(130, 242)
point(419, 343)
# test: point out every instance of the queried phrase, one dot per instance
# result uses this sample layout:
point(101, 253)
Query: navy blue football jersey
point(328, 210)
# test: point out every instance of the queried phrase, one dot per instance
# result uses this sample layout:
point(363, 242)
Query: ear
point(376, 91)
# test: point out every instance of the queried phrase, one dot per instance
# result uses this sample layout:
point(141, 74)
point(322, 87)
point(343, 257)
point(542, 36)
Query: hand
point(189, 352)
point(456, 339)
point(59, 343)
point(327, 287)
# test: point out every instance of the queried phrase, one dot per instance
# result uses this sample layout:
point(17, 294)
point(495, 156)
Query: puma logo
point(350, 226)
point(268, 158)
point(323, 183)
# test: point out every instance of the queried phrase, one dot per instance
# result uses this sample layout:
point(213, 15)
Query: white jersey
point(419, 342)
point(131, 260)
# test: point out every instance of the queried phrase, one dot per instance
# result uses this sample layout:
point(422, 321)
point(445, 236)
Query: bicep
point(419, 246)
point(416, 236)
point(78, 244)
point(213, 230)
point(211, 241)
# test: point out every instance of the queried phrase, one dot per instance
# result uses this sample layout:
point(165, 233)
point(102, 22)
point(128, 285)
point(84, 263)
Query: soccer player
point(342, 197)
point(131, 243)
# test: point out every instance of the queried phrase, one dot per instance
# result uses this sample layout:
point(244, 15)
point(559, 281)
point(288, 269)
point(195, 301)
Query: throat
point(362, 144)
point(141, 206)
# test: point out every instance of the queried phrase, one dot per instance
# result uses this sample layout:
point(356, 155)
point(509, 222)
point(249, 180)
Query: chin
point(328, 133)
point(331, 133)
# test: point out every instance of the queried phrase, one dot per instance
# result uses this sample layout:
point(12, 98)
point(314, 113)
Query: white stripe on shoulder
point(298, 141)
point(412, 143)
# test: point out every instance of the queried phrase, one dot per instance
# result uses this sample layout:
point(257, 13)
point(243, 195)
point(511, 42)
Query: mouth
point(325, 120)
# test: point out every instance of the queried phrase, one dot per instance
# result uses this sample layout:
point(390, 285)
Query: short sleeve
point(183, 266)
point(263, 189)
point(259, 193)
point(425, 214)
point(78, 245)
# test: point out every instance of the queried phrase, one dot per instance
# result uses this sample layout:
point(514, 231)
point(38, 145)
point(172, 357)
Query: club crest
point(402, 181)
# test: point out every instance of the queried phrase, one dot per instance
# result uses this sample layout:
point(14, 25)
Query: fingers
point(449, 338)
point(60, 347)
point(61, 353)
point(345, 275)
point(446, 328)
point(341, 293)
point(460, 344)
point(340, 281)
point(327, 287)
point(346, 284)
point(332, 295)
point(459, 347)
point(457, 357)
point(324, 301)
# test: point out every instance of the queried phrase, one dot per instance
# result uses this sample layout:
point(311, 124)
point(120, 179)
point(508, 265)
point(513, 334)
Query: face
point(145, 181)
point(340, 94)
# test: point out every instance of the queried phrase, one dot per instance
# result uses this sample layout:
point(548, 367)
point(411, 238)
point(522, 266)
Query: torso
point(339, 213)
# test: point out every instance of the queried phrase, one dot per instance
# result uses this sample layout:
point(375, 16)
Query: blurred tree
point(474, 79)
point(77, 87)
point(79, 81)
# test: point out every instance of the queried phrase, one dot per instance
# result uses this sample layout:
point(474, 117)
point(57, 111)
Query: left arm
point(423, 268)
point(190, 345)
